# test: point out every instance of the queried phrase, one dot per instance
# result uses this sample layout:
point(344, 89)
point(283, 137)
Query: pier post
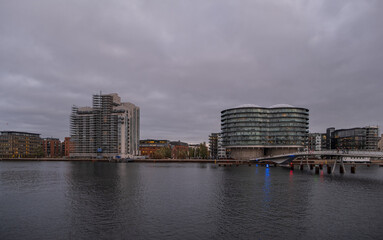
point(328, 169)
point(301, 164)
point(333, 168)
point(316, 169)
point(341, 169)
point(353, 169)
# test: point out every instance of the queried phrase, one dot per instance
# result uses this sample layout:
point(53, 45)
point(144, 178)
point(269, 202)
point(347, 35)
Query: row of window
point(255, 120)
point(257, 124)
point(264, 130)
point(264, 110)
point(267, 116)
point(263, 143)
point(253, 137)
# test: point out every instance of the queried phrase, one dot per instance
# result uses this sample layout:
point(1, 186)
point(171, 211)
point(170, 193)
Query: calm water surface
point(84, 200)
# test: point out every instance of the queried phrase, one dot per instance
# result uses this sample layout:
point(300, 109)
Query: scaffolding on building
point(104, 129)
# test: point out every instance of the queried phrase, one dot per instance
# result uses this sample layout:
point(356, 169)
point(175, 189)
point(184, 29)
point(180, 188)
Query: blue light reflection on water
point(266, 188)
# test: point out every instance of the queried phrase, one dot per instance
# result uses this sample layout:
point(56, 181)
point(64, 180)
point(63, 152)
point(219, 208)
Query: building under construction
point(108, 129)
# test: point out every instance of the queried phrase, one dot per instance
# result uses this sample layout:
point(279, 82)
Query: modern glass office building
point(365, 138)
point(251, 131)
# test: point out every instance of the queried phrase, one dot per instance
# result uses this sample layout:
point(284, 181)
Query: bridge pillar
point(292, 166)
point(353, 169)
point(320, 166)
point(328, 169)
point(341, 169)
point(316, 169)
point(301, 167)
point(311, 166)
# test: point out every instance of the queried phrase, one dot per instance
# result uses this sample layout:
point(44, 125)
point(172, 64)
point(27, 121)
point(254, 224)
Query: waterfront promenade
point(220, 161)
point(113, 160)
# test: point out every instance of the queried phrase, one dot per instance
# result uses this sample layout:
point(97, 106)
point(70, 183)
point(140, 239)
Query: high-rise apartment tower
point(110, 128)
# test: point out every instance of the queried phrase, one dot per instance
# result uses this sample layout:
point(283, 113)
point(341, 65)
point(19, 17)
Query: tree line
point(200, 152)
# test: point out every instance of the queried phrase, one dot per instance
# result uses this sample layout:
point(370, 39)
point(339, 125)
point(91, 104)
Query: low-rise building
point(316, 141)
point(20, 144)
point(149, 146)
point(51, 147)
point(180, 150)
point(67, 147)
point(359, 138)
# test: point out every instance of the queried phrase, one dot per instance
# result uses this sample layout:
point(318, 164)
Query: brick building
point(67, 147)
point(52, 147)
point(149, 146)
point(179, 149)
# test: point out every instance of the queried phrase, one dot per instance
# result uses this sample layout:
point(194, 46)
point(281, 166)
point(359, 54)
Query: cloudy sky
point(183, 61)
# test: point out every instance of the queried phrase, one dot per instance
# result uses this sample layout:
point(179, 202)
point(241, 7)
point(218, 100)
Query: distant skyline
point(183, 62)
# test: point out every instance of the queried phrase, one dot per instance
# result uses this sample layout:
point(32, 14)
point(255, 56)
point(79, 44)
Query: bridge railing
point(341, 152)
point(330, 152)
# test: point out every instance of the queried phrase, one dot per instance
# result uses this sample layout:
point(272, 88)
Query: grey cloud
point(183, 62)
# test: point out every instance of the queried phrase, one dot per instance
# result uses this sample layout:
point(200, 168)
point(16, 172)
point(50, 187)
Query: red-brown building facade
point(52, 147)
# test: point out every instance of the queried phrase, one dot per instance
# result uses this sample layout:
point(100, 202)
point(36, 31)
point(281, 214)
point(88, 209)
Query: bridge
point(340, 157)
point(287, 158)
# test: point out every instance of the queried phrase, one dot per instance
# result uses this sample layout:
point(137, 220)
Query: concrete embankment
point(54, 159)
point(111, 160)
point(222, 161)
point(174, 160)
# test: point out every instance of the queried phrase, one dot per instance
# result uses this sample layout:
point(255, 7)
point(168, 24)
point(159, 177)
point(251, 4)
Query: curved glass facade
point(257, 126)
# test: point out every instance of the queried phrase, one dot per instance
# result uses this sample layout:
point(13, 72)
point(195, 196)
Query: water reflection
point(102, 193)
point(177, 201)
point(266, 188)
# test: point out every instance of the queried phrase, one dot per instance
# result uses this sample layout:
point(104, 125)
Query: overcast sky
point(184, 61)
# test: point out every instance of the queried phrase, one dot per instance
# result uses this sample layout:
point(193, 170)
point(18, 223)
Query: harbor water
point(86, 200)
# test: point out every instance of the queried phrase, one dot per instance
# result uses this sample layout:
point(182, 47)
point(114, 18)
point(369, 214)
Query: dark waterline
point(84, 200)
